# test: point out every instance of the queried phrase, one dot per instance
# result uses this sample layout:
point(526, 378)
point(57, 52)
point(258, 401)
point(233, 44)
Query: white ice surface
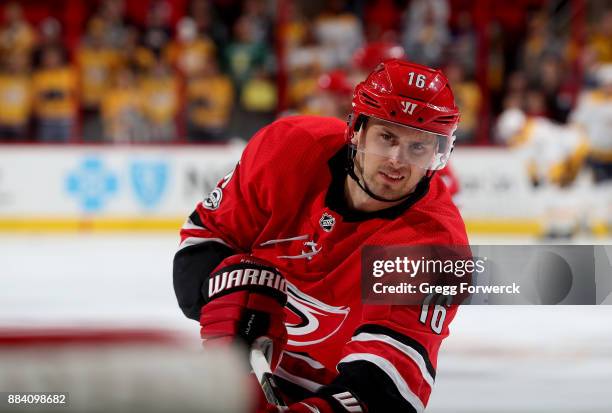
point(497, 359)
point(93, 279)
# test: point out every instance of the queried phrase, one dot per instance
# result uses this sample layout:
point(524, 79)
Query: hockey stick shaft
point(261, 369)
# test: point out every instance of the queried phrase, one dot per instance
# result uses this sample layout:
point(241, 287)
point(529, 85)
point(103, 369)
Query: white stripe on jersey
point(394, 375)
point(313, 409)
point(311, 362)
point(189, 241)
point(349, 402)
point(406, 350)
point(278, 241)
point(300, 381)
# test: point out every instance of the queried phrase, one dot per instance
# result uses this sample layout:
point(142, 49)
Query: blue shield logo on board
point(149, 181)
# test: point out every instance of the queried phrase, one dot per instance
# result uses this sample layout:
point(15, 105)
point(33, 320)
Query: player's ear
point(355, 137)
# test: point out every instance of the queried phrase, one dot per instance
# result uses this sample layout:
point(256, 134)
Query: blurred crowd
point(215, 69)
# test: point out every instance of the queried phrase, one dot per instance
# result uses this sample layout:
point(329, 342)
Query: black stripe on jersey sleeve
point(372, 386)
point(404, 339)
point(195, 218)
point(191, 268)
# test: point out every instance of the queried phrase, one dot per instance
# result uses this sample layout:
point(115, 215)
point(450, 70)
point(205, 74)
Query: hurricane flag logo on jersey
point(213, 200)
point(310, 321)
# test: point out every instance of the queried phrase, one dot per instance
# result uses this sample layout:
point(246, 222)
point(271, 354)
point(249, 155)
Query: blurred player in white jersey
point(593, 114)
point(555, 154)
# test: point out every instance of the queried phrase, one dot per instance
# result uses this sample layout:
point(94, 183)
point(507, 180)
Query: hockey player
point(554, 154)
point(306, 195)
point(593, 114)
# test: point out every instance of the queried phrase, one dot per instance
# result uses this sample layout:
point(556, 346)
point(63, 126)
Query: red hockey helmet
point(410, 95)
point(374, 53)
point(336, 82)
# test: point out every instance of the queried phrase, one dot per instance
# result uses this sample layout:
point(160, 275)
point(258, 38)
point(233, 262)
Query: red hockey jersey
point(284, 202)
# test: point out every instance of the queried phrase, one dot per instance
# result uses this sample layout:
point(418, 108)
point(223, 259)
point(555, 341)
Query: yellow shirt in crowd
point(18, 39)
point(303, 88)
point(602, 45)
point(15, 99)
point(55, 93)
point(190, 57)
point(468, 99)
point(117, 102)
point(140, 58)
point(122, 114)
point(160, 99)
point(259, 95)
point(210, 100)
point(96, 68)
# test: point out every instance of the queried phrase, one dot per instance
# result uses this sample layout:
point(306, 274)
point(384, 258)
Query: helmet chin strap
point(350, 170)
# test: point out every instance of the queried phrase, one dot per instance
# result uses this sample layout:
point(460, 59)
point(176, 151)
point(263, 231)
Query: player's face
point(393, 158)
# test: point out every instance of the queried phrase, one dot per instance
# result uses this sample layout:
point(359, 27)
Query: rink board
point(153, 188)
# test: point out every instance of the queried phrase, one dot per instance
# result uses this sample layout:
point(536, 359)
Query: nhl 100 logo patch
point(327, 222)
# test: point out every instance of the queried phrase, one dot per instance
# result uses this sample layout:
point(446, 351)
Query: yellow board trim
point(118, 225)
point(506, 226)
point(62, 225)
point(600, 229)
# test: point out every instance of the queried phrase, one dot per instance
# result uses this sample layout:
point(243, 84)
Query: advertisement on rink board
point(52, 185)
point(494, 183)
point(5, 196)
point(154, 187)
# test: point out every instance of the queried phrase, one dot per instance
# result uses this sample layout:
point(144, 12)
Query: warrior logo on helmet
point(408, 107)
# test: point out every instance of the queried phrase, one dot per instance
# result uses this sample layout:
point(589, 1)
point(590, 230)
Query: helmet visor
point(407, 145)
